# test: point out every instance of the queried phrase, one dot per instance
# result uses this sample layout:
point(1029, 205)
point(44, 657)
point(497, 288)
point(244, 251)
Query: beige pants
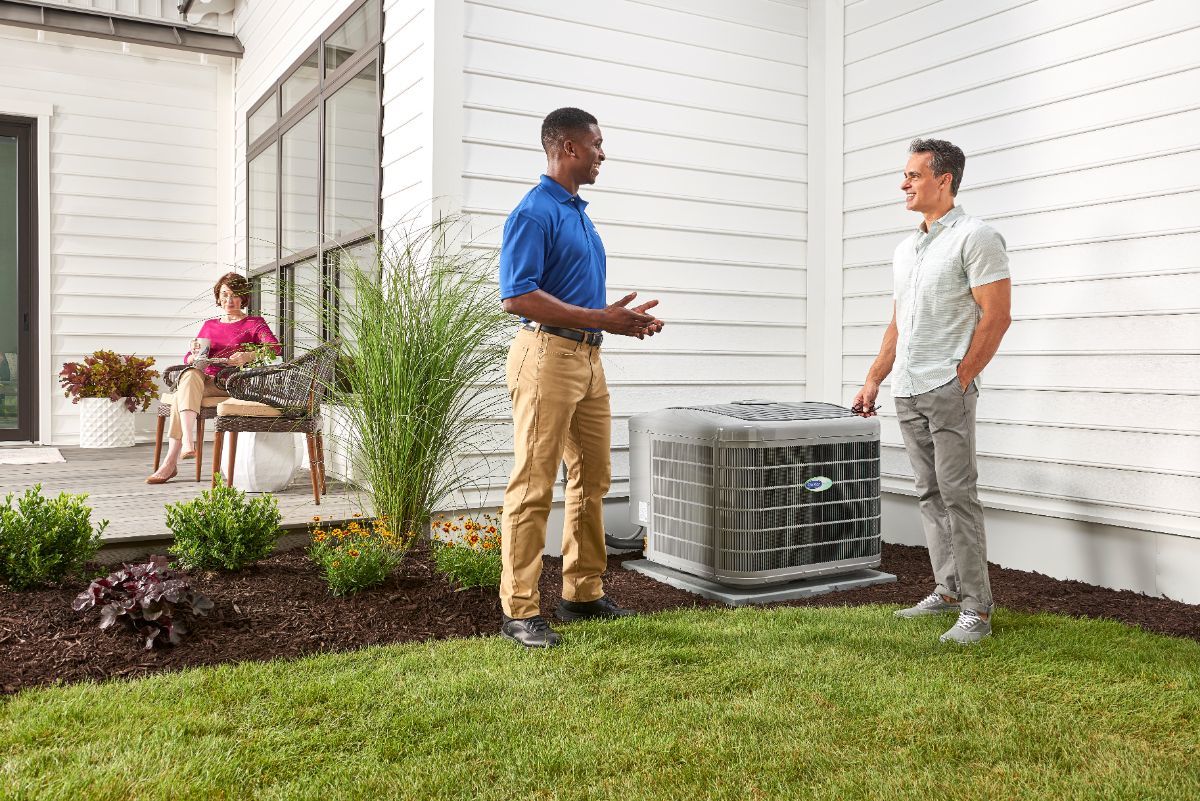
point(194, 386)
point(560, 410)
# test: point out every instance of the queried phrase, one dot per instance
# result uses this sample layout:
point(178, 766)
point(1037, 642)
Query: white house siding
point(408, 109)
point(701, 202)
point(167, 10)
point(1080, 122)
point(135, 203)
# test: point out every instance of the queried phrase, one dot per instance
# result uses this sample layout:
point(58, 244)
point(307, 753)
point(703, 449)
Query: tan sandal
point(157, 480)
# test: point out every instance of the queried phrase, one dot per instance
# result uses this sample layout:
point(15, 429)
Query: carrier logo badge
point(818, 484)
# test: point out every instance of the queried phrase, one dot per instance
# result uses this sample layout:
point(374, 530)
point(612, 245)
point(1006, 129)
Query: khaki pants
point(560, 410)
point(939, 434)
point(194, 386)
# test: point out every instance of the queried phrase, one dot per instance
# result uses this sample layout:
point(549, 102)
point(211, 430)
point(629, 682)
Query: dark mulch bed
point(281, 608)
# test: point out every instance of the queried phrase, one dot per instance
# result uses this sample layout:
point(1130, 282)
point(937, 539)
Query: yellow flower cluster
point(355, 535)
point(482, 534)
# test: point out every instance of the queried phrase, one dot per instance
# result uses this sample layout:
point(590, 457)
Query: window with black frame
point(312, 179)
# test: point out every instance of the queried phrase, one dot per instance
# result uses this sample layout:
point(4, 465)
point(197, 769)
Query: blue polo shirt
point(550, 244)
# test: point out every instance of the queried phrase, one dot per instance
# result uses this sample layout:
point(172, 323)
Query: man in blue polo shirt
point(552, 275)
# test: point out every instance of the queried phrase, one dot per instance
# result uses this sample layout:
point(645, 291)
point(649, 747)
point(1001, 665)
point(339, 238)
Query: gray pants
point(939, 435)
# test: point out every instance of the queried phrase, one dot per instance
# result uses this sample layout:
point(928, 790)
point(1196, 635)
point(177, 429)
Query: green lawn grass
point(787, 703)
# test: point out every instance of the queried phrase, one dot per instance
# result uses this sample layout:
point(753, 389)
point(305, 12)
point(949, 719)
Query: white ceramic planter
point(265, 462)
point(104, 424)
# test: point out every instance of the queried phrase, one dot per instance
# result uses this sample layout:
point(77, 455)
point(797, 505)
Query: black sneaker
point(602, 607)
point(532, 632)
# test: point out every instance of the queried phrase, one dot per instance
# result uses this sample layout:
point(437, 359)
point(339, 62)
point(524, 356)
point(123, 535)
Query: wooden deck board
point(114, 479)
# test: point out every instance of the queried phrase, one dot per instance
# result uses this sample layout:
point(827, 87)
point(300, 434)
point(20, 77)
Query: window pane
point(264, 299)
point(303, 81)
point(285, 333)
point(263, 118)
point(299, 199)
point(262, 207)
point(365, 256)
point(351, 156)
point(306, 302)
point(361, 28)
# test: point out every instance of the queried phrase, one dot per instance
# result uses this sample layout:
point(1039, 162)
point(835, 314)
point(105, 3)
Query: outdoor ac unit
point(756, 492)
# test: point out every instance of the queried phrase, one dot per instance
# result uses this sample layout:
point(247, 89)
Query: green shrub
point(44, 539)
point(222, 528)
point(358, 555)
point(467, 551)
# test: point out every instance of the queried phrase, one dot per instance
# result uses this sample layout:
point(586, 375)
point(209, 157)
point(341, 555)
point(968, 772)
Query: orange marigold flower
point(337, 563)
point(353, 552)
point(316, 518)
point(358, 514)
point(491, 529)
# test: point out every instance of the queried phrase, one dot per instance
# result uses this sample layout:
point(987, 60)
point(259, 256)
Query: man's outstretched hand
point(618, 318)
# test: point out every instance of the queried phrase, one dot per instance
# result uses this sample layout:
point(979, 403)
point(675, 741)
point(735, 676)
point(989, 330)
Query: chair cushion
point(231, 407)
point(205, 403)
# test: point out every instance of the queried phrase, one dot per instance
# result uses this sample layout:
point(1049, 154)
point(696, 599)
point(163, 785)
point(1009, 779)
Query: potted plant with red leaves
point(109, 388)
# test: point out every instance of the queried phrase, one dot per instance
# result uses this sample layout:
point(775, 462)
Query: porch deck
point(114, 480)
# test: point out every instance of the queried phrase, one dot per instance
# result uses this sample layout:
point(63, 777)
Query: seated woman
point(227, 336)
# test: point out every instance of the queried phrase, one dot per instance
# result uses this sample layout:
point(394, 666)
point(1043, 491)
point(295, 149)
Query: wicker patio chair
point(283, 398)
point(208, 410)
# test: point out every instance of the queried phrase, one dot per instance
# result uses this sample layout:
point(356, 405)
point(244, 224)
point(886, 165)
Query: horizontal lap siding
point(134, 196)
point(407, 106)
point(165, 10)
point(1080, 124)
point(701, 202)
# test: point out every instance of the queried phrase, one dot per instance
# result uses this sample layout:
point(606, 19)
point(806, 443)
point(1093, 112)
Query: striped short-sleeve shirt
point(936, 314)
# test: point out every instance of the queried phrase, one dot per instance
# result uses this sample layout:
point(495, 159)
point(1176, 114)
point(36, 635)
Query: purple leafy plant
point(150, 600)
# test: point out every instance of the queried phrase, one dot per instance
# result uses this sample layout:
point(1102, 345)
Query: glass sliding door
point(17, 324)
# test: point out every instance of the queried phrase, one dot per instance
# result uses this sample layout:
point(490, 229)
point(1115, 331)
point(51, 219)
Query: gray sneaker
point(969, 628)
point(931, 605)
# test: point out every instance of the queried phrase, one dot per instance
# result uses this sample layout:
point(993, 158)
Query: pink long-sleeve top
point(228, 338)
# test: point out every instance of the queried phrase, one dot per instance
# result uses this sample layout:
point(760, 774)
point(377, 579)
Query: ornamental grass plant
point(423, 336)
point(467, 551)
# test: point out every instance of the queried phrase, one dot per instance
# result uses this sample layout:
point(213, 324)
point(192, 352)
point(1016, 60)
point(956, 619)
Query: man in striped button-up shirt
point(951, 308)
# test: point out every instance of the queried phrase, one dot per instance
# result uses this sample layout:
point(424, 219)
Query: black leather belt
point(586, 337)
